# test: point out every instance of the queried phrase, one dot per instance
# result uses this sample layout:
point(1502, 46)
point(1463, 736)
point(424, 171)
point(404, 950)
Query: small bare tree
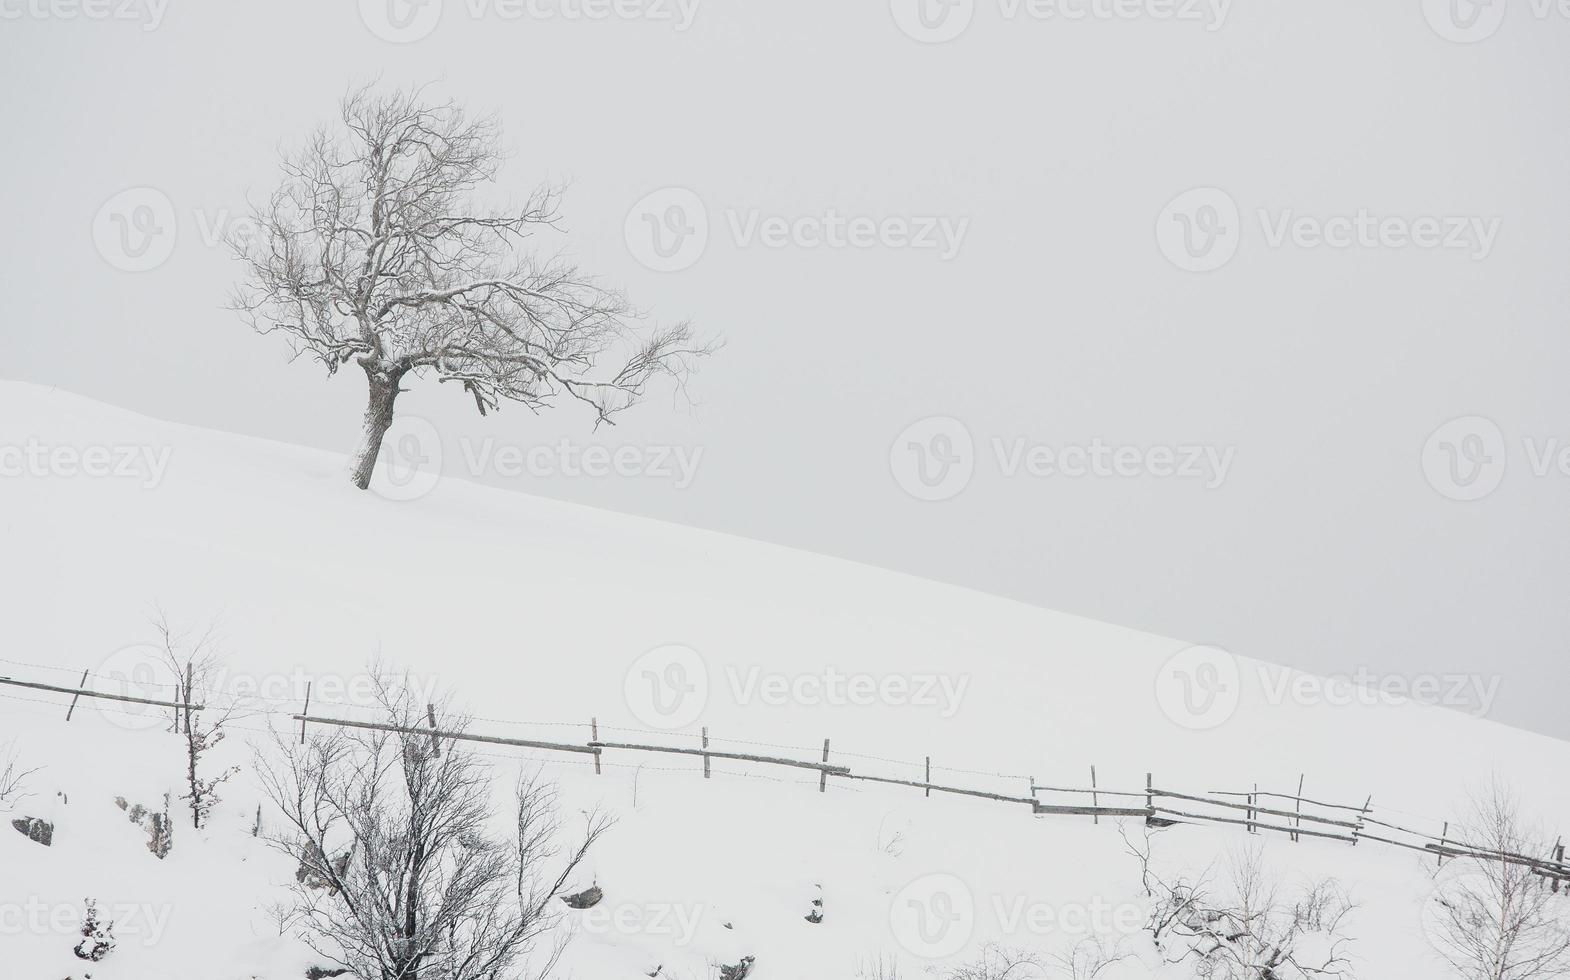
point(374, 251)
point(198, 667)
point(13, 778)
point(399, 874)
point(1000, 962)
point(1495, 918)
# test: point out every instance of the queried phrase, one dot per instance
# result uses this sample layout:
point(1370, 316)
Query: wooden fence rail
point(1155, 811)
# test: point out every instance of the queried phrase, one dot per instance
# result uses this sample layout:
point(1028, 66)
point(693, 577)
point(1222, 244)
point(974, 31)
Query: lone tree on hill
point(372, 250)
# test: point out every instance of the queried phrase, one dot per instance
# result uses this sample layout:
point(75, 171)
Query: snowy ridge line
point(1236, 809)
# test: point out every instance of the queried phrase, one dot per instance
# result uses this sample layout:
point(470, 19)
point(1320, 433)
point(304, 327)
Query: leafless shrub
point(1089, 958)
point(878, 966)
point(197, 663)
point(999, 962)
point(13, 778)
point(1494, 918)
point(1242, 924)
point(395, 826)
point(373, 250)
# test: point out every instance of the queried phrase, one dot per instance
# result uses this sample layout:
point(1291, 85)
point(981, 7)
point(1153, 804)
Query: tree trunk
point(378, 419)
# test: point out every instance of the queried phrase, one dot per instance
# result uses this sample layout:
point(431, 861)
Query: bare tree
point(374, 250)
point(198, 667)
point(399, 875)
point(13, 778)
point(1495, 919)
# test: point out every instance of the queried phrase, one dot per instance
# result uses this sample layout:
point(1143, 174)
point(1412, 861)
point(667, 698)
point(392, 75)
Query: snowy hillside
point(539, 616)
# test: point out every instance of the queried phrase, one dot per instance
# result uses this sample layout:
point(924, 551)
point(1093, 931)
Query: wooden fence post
point(1095, 798)
point(305, 711)
point(77, 696)
point(1150, 799)
point(929, 777)
point(1361, 816)
point(1296, 838)
point(594, 736)
point(436, 743)
point(706, 752)
point(1442, 835)
point(823, 774)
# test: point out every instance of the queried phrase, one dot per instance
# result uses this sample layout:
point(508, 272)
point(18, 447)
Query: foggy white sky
point(1236, 268)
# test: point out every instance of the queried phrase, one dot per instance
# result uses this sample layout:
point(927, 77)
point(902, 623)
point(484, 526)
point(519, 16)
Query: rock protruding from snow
point(36, 830)
point(159, 826)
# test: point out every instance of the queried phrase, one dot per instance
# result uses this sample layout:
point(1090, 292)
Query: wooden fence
point(1254, 810)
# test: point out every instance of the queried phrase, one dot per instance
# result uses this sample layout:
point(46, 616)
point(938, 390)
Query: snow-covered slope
point(540, 616)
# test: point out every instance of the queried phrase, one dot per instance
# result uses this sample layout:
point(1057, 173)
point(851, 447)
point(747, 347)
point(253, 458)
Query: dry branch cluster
point(402, 874)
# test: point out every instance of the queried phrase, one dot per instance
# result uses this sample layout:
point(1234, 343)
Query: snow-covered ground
point(539, 616)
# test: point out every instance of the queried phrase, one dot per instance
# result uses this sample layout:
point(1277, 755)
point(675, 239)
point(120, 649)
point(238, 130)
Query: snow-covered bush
point(1242, 924)
point(97, 935)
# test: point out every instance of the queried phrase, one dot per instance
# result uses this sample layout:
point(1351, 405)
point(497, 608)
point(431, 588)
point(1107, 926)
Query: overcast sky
point(1241, 323)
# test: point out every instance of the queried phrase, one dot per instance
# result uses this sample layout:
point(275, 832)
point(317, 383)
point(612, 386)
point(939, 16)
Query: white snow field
point(539, 616)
